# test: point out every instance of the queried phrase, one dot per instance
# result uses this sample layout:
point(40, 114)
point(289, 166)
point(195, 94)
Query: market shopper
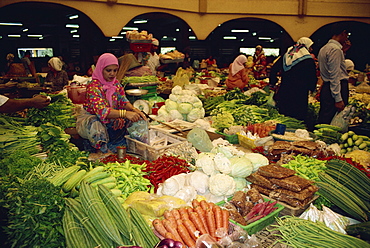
point(260, 63)
point(8, 105)
point(151, 58)
point(108, 112)
point(57, 76)
point(238, 77)
point(334, 92)
point(298, 76)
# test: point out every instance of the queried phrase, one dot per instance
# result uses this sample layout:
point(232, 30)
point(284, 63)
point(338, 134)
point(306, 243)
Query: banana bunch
point(351, 141)
point(328, 133)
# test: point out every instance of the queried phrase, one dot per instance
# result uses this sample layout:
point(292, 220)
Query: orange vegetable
point(158, 226)
point(185, 236)
point(184, 213)
point(172, 229)
point(211, 222)
point(172, 220)
point(204, 205)
point(194, 217)
point(225, 218)
point(175, 213)
point(218, 216)
point(202, 216)
point(190, 227)
point(169, 236)
point(195, 203)
point(167, 214)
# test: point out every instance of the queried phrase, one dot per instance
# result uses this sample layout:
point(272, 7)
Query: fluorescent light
point(1, 37)
point(177, 30)
point(14, 35)
point(73, 31)
point(254, 33)
point(192, 38)
point(129, 28)
point(111, 39)
point(242, 40)
point(76, 36)
point(73, 17)
point(239, 31)
point(35, 35)
point(229, 37)
point(117, 37)
point(174, 39)
point(272, 40)
point(41, 38)
point(140, 21)
point(72, 26)
point(264, 38)
point(164, 37)
point(25, 30)
point(11, 24)
point(189, 29)
point(123, 32)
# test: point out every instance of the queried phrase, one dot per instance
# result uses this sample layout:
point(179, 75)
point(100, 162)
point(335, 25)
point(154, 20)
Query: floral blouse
point(97, 104)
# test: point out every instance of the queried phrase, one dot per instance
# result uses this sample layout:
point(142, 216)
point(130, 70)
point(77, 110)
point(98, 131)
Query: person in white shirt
point(8, 105)
point(153, 61)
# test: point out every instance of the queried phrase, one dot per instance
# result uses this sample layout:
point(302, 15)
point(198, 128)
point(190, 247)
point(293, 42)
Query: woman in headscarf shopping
point(238, 76)
point(108, 111)
point(57, 76)
point(298, 76)
point(260, 63)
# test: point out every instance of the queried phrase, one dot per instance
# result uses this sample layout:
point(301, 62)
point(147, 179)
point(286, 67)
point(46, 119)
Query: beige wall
point(298, 17)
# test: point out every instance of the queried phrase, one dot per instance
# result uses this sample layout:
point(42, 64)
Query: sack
point(140, 131)
point(341, 119)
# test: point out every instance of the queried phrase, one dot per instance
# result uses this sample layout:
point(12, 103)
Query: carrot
point(172, 220)
point(211, 222)
point(190, 210)
point(158, 226)
point(185, 236)
point(172, 229)
point(211, 205)
point(218, 216)
point(179, 222)
point(190, 227)
point(225, 219)
point(195, 203)
point(175, 213)
point(169, 236)
point(204, 205)
point(194, 217)
point(184, 213)
point(202, 216)
point(167, 214)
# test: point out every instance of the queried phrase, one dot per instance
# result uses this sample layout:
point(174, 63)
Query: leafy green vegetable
point(18, 163)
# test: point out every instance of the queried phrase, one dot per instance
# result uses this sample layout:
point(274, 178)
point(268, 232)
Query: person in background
point(151, 58)
point(8, 105)
point(334, 92)
point(56, 75)
point(238, 77)
point(107, 106)
point(260, 63)
point(211, 62)
point(9, 61)
point(298, 76)
point(129, 66)
point(350, 66)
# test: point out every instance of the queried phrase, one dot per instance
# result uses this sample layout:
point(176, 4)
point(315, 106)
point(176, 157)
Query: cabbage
point(173, 97)
point(194, 114)
point(240, 183)
point(175, 115)
point(257, 160)
point(163, 115)
point(177, 90)
point(170, 105)
point(203, 124)
point(241, 166)
point(224, 150)
point(197, 104)
point(185, 108)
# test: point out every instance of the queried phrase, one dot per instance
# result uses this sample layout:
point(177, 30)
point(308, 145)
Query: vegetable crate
point(152, 152)
point(246, 142)
point(232, 138)
point(140, 47)
point(261, 223)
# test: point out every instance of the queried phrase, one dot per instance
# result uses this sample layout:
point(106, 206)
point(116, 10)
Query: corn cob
point(98, 213)
point(73, 180)
point(117, 211)
point(64, 175)
point(74, 232)
point(342, 201)
point(76, 207)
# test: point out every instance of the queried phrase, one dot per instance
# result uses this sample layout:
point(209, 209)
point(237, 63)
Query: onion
point(178, 244)
point(170, 243)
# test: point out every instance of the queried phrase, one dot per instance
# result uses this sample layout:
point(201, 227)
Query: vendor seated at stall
point(107, 112)
point(129, 66)
point(57, 76)
point(238, 74)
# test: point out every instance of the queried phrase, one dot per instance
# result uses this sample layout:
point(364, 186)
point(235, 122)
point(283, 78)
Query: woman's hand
point(133, 116)
point(140, 113)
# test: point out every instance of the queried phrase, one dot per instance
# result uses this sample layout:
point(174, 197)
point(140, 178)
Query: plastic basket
point(246, 142)
point(232, 138)
point(261, 223)
point(150, 89)
point(140, 47)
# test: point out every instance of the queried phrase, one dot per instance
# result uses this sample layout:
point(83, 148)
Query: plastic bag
point(200, 139)
point(140, 131)
point(342, 118)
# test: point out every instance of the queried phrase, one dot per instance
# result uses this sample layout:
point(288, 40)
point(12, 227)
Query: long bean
point(301, 233)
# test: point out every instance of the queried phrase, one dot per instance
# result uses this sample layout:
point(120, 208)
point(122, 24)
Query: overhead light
point(76, 36)
point(25, 30)
point(72, 26)
point(192, 38)
point(272, 40)
point(254, 33)
point(242, 40)
point(140, 21)
point(164, 37)
point(11, 24)
point(73, 17)
point(34, 35)
point(219, 25)
point(111, 39)
point(41, 38)
point(123, 32)
point(174, 39)
point(129, 28)
point(177, 30)
point(73, 31)
point(14, 35)
point(189, 29)
point(264, 38)
point(1, 37)
point(239, 31)
point(229, 37)
point(117, 37)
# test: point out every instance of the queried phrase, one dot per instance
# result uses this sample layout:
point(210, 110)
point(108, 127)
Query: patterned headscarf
point(238, 64)
point(297, 53)
point(56, 63)
point(105, 60)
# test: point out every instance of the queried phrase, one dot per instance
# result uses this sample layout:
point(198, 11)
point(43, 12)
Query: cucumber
point(362, 146)
point(358, 142)
point(355, 137)
point(349, 149)
point(344, 136)
point(351, 133)
point(350, 142)
point(343, 151)
point(345, 145)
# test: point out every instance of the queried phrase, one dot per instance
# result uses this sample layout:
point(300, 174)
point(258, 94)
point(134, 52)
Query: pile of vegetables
point(306, 167)
point(328, 133)
point(351, 141)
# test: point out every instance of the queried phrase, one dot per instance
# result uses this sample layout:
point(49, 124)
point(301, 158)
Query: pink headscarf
point(104, 60)
point(238, 64)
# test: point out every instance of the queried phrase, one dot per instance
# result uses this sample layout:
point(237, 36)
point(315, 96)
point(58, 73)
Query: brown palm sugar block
point(262, 190)
point(256, 178)
point(293, 183)
point(275, 171)
point(289, 200)
point(301, 195)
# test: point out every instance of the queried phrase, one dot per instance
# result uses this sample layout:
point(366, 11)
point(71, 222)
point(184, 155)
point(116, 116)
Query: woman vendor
point(57, 76)
point(238, 76)
point(108, 112)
